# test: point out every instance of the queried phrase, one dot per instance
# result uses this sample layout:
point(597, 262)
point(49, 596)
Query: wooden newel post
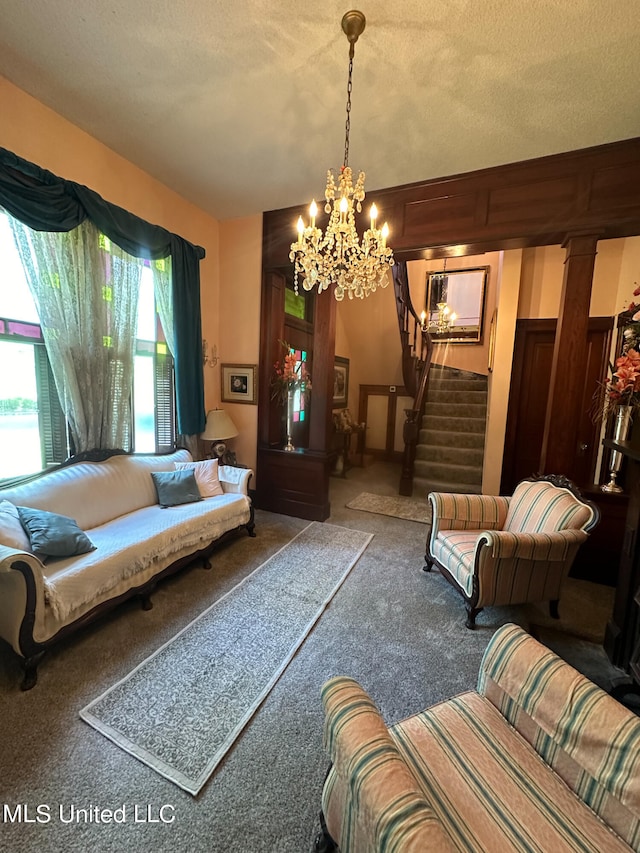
point(566, 387)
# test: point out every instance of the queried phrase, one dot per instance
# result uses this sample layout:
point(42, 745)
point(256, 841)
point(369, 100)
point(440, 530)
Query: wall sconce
point(212, 359)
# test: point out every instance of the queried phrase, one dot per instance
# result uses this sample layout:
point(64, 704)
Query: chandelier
point(442, 323)
point(339, 257)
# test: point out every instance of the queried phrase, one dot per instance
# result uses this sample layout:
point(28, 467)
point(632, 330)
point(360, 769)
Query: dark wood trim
point(389, 454)
point(530, 203)
point(560, 438)
point(593, 193)
point(525, 374)
point(471, 601)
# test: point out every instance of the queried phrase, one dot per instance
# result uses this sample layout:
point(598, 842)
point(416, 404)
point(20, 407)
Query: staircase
point(450, 449)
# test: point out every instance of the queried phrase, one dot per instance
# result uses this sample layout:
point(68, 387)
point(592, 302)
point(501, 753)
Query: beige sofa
point(536, 759)
point(136, 542)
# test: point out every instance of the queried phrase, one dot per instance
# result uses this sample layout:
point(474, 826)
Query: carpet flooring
point(182, 708)
point(395, 506)
point(396, 629)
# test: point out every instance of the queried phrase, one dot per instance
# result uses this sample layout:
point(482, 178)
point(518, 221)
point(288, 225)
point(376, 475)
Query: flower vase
point(620, 432)
point(290, 397)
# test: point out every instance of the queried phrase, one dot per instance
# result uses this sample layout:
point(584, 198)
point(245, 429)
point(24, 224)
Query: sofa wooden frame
point(33, 650)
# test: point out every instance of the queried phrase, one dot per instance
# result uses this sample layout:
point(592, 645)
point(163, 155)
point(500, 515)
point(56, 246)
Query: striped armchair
point(537, 758)
point(501, 550)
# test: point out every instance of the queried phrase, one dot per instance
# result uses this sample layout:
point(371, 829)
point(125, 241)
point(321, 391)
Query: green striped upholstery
point(590, 740)
point(475, 773)
point(536, 507)
point(509, 550)
point(488, 786)
point(370, 799)
point(466, 512)
point(509, 568)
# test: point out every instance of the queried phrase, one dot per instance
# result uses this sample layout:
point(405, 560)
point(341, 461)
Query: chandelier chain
point(347, 126)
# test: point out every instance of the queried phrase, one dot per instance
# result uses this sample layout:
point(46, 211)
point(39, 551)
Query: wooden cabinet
point(295, 482)
point(622, 629)
point(599, 558)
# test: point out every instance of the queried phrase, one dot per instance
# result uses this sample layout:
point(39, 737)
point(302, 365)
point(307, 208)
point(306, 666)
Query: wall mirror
point(455, 305)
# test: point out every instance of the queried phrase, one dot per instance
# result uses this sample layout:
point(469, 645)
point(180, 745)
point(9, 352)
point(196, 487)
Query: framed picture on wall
point(239, 383)
point(340, 382)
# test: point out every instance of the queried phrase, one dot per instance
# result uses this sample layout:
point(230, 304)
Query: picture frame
point(340, 382)
point(239, 383)
point(461, 293)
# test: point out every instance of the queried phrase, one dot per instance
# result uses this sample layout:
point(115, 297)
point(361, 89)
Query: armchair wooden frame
point(486, 544)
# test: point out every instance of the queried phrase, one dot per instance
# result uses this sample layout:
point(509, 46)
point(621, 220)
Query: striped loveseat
point(509, 550)
point(537, 759)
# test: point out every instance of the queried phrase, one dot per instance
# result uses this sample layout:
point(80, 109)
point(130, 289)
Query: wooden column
point(559, 443)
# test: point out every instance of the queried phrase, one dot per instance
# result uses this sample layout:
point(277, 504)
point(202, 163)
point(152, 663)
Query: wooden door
point(531, 373)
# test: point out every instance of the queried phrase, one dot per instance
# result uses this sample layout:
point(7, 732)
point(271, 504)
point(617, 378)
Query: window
point(33, 430)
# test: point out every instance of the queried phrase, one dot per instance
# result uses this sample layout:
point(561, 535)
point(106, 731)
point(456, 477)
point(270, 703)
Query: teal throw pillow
point(176, 487)
point(53, 535)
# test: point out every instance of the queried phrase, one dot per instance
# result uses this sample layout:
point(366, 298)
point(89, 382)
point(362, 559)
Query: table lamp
point(218, 428)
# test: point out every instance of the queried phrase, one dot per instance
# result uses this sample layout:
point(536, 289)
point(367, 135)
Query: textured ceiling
point(239, 105)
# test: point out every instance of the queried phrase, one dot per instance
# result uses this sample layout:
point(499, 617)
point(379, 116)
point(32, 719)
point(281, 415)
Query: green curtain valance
point(45, 202)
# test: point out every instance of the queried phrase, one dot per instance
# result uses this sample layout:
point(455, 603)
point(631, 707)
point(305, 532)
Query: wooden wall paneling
point(271, 331)
point(594, 191)
point(531, 203)
point(366, 392)
point(566, 386)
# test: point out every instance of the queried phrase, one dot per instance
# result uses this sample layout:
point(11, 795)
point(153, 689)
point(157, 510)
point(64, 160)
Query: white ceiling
point(239, 105)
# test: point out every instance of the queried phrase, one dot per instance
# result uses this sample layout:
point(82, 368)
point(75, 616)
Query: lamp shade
point(219, 426)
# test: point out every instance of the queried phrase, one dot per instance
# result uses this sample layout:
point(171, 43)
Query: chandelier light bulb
point(300, 228)
point(374, 215)
point(313, 212)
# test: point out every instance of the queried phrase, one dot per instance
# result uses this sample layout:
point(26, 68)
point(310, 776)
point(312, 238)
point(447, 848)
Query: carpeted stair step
point(448, 424)
point(448, 438)
point(441, 471)
point(450, 450)
point(451, 455)
point(457, 410)
point(448, 396)
point(461, 385)
point(422, 487)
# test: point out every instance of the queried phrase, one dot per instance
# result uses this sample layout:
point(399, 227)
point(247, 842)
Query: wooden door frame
point(525, 328)
point(366, 391)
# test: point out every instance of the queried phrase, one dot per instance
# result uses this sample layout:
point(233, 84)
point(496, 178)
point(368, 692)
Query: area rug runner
point(182, 708)
point(393, 505)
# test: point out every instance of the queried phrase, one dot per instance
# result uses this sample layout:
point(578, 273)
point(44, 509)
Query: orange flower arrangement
point(624, 387)
point(287, 373)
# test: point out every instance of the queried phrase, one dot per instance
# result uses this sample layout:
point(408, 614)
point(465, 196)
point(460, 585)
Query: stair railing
point(417, 349)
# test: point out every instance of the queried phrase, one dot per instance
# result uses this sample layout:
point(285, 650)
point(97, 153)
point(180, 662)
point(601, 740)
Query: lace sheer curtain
point(86, 292)
point(161, 270)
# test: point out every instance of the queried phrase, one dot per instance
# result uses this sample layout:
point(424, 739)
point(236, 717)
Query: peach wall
point(473, 357)
point(617, 266)
point(239, 319)
point(35, 132)
point(367, 334)
point(508, 278)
